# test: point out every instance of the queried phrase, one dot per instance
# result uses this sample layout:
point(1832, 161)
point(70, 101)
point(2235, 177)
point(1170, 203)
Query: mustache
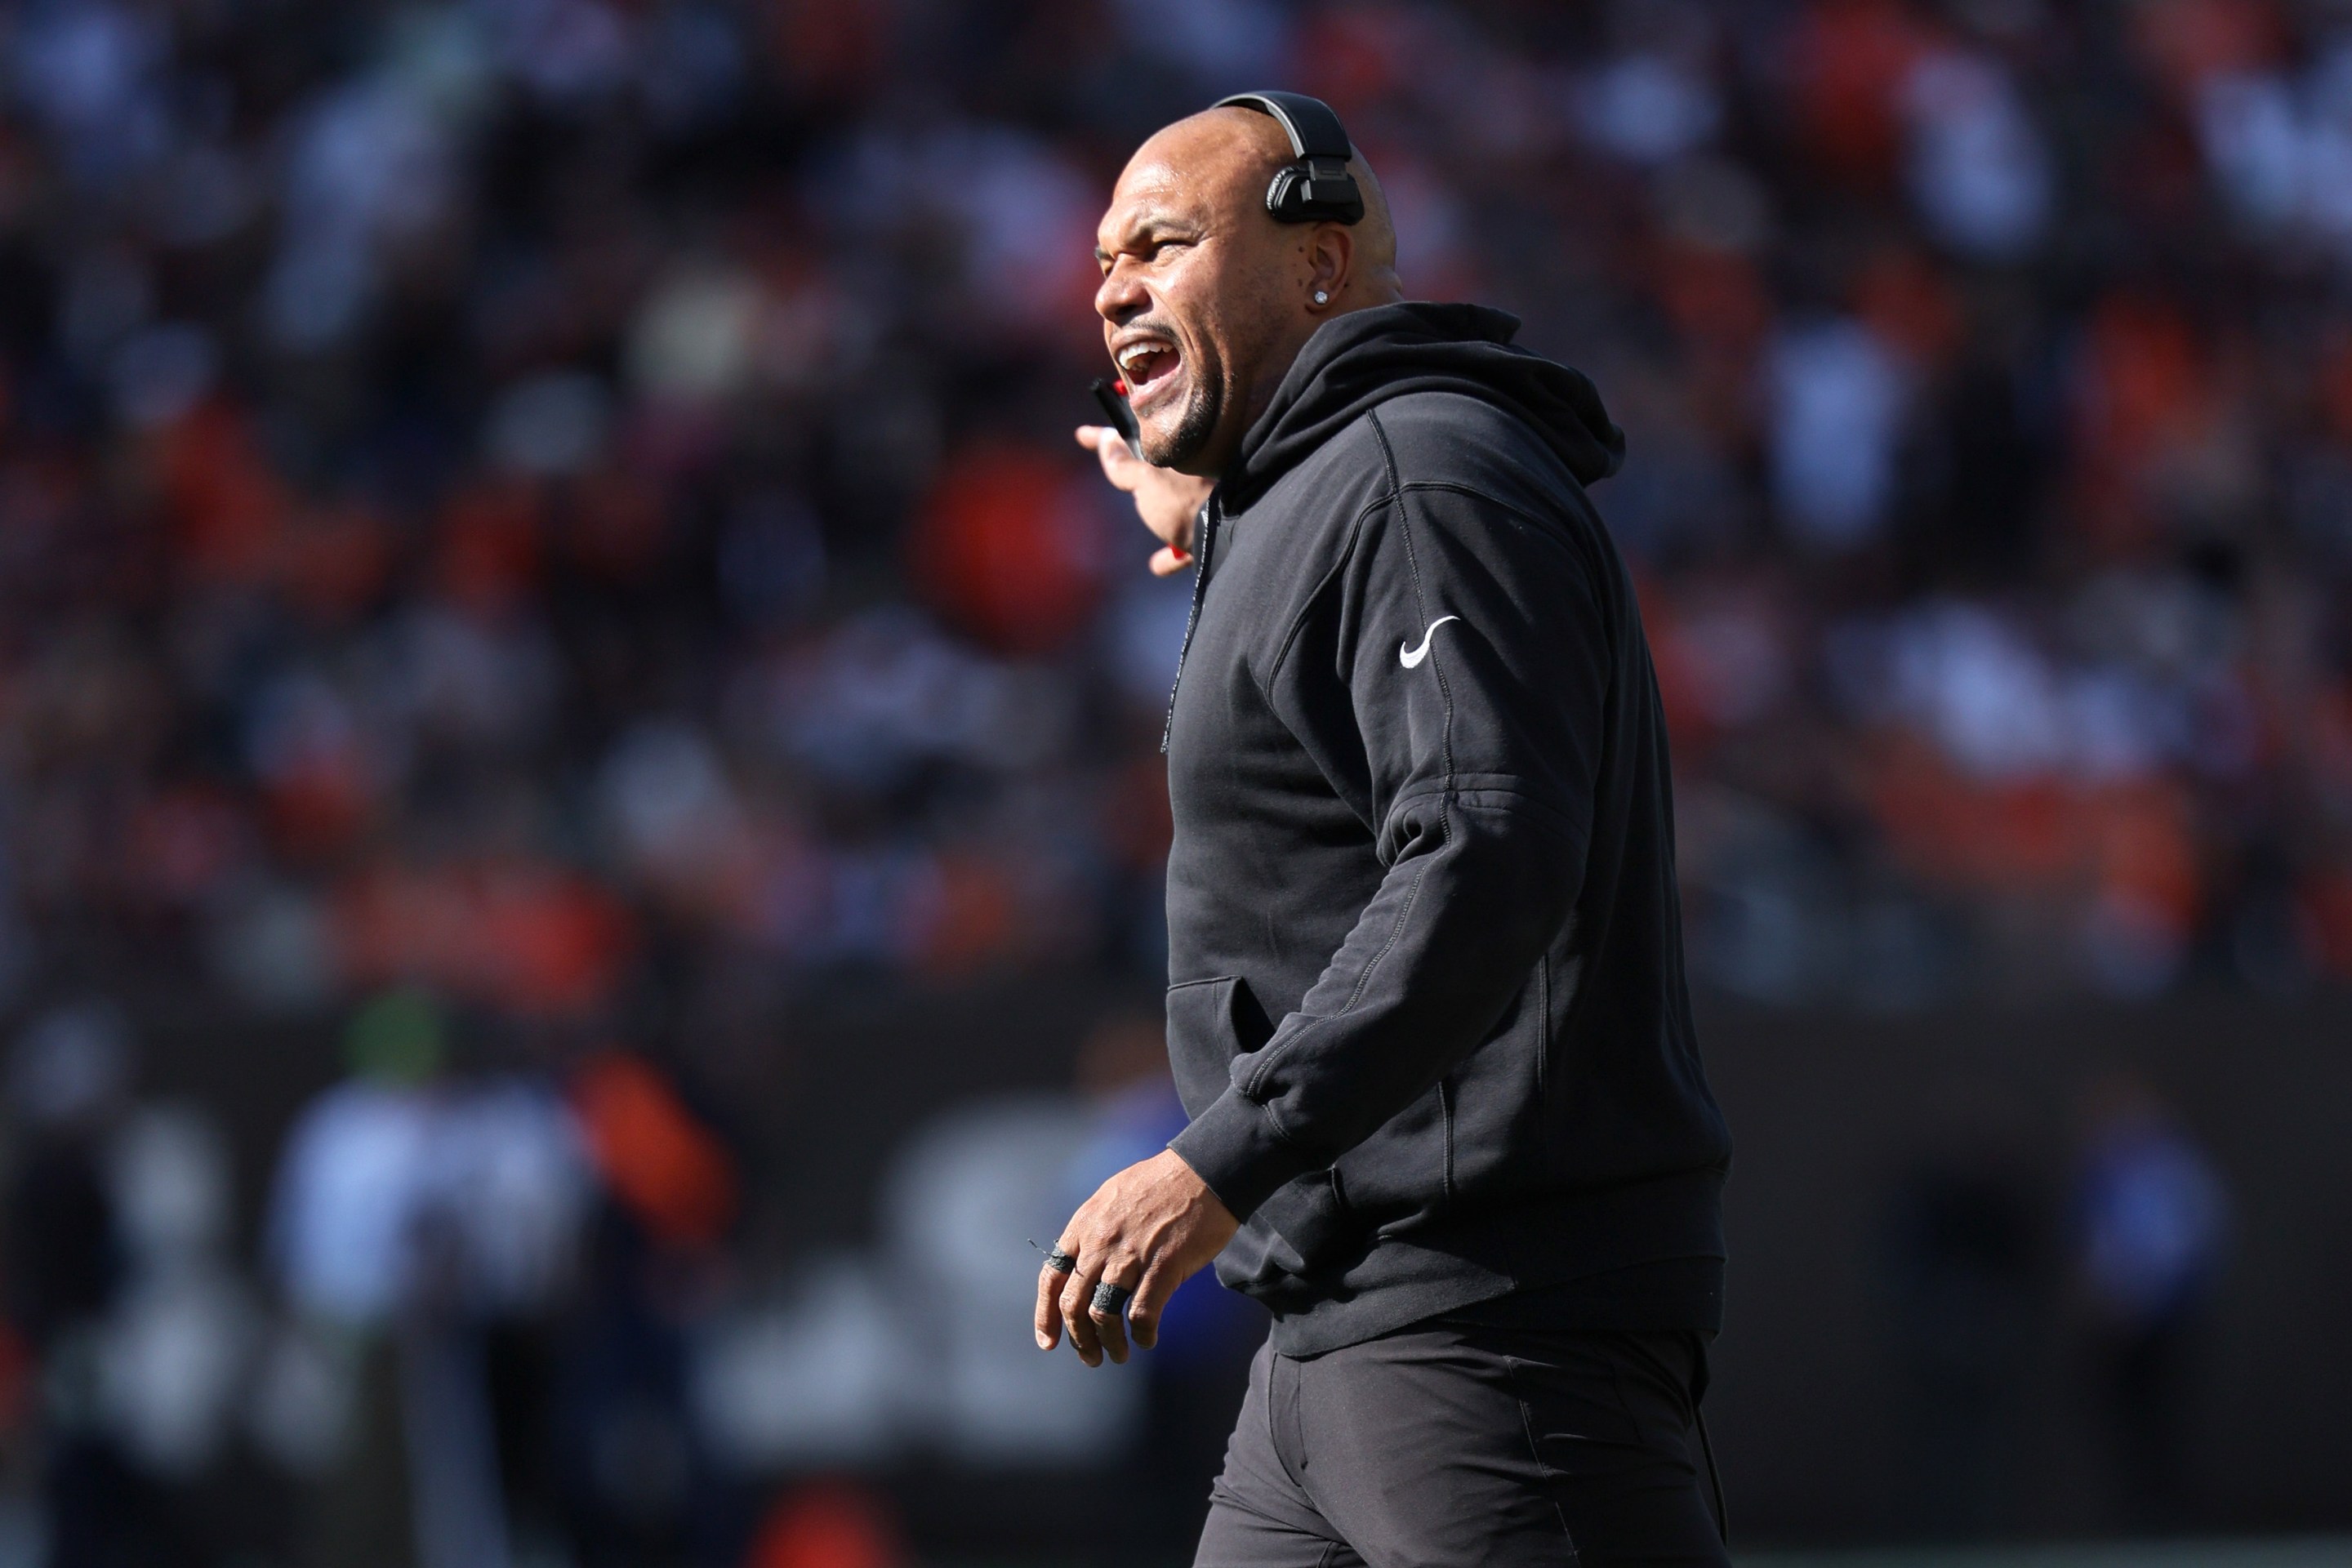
point(1151, 324)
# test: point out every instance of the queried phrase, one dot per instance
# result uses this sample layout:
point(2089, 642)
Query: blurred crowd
point(503, 1317)
point(568, 507)
point(546, 497)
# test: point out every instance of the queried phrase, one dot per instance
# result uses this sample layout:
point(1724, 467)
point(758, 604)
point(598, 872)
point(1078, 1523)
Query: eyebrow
point(1158, 221)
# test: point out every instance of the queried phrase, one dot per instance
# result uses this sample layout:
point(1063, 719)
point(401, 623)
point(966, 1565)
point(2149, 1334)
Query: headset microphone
point(1112, 396)
point(1314, 186)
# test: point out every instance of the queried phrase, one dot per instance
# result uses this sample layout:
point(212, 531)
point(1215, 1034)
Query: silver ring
point(1110, 1297)
point(1061, 1262)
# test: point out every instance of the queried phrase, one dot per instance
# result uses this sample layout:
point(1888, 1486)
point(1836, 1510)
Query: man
point(1428, 1016)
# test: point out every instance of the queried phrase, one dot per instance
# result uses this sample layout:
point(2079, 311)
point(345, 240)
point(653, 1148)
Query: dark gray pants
point(1449, 1445)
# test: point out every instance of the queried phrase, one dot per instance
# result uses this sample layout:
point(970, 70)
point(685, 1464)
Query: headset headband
point(1314, 186)
point(1313, 131)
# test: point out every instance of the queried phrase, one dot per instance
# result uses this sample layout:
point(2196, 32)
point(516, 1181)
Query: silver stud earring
point(1321, 297)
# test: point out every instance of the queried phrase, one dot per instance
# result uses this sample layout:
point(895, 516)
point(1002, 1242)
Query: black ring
point(1110, 1297)
point(1061, 1262)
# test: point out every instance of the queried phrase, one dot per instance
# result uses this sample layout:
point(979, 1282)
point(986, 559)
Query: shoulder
point(1430, 440)
point(1479, 491)
point(1451, 440)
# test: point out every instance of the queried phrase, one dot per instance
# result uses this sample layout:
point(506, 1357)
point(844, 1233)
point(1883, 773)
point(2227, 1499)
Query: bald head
point(1205, 299)
point(1238, 150)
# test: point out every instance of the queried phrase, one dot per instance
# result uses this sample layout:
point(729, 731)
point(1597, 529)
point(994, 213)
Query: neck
point(1282, 352)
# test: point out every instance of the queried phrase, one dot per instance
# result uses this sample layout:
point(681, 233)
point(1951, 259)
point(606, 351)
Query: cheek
point(1198, 308)
point(1204, 358)
point(1237, 338)
point(1215, 344)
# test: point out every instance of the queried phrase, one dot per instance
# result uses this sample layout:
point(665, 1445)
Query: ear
point(1331, 265)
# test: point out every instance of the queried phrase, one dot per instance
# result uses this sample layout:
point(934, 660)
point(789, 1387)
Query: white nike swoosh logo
point(1410, 657)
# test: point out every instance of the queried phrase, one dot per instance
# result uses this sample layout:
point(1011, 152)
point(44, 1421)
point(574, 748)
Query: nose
point(1121, 294)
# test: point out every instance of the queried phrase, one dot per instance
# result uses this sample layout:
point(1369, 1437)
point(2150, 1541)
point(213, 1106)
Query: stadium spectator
point(2152, 1229)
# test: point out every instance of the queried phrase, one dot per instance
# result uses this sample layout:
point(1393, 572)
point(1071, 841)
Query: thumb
point(1112, 448)
point(1119, 464)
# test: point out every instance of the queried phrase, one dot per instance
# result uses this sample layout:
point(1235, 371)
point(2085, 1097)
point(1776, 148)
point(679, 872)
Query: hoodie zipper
point(1204, 531)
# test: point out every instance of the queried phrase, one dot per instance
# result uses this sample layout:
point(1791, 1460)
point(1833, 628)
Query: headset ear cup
point(1316, 187)
point(1297, 196)
point(1280, 194)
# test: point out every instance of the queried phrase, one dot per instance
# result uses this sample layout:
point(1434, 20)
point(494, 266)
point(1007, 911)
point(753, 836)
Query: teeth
point(1134, 351)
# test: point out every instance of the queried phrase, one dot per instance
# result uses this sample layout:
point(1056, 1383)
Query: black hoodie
point(1427, 1010)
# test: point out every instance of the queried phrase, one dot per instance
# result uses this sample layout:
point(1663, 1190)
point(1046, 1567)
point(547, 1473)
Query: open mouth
point(1149, 368)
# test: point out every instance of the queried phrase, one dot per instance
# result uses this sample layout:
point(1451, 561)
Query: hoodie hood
point(1357, 361)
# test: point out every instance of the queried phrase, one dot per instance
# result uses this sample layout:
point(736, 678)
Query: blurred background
point(581, 821)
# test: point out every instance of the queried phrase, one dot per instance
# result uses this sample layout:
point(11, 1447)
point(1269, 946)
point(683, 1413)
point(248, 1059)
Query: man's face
point(1191, 292)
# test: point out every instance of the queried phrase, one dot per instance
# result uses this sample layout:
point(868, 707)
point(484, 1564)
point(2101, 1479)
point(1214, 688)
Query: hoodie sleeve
point(1452, 679)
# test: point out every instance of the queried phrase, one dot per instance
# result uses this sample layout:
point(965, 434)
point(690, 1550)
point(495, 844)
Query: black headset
point(1314, 186)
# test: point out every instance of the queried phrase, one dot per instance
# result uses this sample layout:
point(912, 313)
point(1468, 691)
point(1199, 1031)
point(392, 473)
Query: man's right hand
point(1166, 500)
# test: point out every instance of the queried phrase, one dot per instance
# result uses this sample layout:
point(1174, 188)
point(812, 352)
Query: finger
point(1049, 1307)
point(1151, 1298)
point(1050, 1282)
point(1077, 1292)
point(1088, 435)
point(1110, 1323)
point(1167, 560)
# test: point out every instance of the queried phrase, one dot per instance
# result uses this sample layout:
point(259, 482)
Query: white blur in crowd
point(923, 1345)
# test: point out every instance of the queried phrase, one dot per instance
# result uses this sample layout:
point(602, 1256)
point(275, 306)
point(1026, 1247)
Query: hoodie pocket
point(1312, 1213)
point(1212, 1023)
point(1209, 1024)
